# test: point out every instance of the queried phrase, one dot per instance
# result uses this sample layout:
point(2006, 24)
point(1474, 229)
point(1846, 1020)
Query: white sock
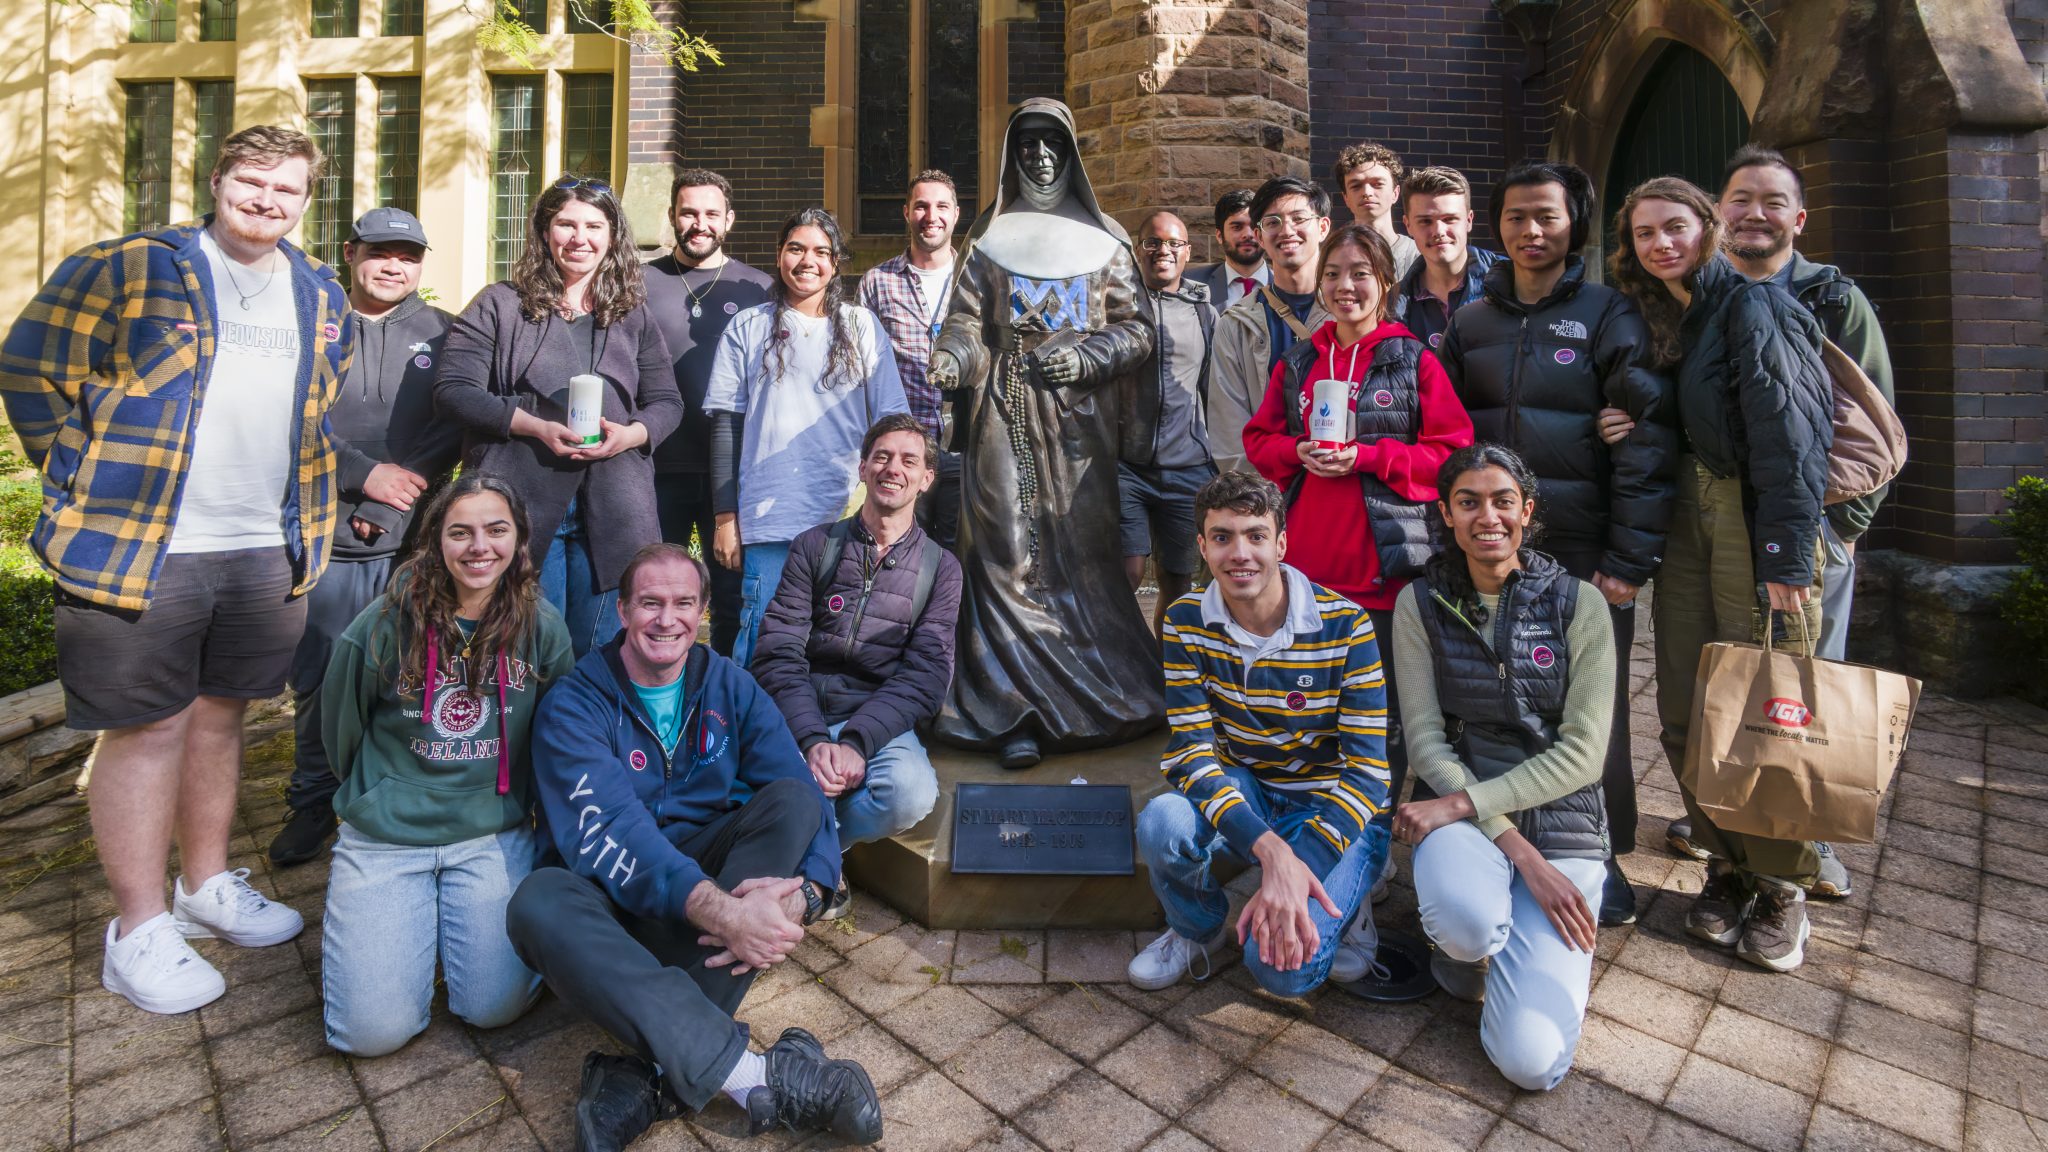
point(750, 1073)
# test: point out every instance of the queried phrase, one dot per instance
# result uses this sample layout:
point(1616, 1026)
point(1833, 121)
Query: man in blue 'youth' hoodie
point(664, 891)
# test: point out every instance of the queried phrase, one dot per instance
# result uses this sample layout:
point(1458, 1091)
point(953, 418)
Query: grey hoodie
point(385, 412)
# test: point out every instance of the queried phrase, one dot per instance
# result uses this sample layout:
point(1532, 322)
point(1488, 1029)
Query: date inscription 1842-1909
point(1043, 829)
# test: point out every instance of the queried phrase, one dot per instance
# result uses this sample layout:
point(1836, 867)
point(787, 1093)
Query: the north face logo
point(1569, 330)
point(1790, 713)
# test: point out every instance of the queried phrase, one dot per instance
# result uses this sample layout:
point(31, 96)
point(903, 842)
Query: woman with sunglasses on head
point(1756, 412)
point(794, 386)
point(426, 709)
point(574, 306)
point(1507, 667)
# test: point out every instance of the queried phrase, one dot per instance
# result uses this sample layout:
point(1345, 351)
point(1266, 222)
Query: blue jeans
point(760, 574)
point(1476, 907)
point(1177, 844)
point(898, 791)
point(392, 909)
point(1837, 594)
point(568, 579)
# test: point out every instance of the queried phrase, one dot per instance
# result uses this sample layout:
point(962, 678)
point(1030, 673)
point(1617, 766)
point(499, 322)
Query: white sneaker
point(157, 971)
point(227, 908)
point(1358, 949)
point(1167, 959)
point(1384, 885)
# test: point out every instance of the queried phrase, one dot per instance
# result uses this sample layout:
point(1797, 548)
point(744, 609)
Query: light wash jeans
point(898, 791)
point(1837, 594)
point(1475, 905)
point(391, 908)
point(1177, 845)
point(760, 574)
point(568, 580)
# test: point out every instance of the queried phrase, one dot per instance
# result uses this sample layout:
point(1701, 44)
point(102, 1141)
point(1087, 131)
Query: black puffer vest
point(1501, 710)
point(1387, 404)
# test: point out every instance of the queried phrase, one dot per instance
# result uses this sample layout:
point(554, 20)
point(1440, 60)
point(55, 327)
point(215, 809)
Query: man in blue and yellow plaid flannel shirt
point(172, 388)
point(1277, 757)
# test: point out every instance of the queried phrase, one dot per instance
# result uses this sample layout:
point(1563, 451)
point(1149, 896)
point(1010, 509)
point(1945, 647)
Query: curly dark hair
point(615, 290)
point(1453, 573)
point(843, 362)
point(1661, 310)
point(422, 592)
point(1246, 493)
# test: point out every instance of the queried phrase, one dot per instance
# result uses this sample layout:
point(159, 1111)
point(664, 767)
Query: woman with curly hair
point(574, 305)
point(426, 710)
point(1756, 410)
point(794, 387)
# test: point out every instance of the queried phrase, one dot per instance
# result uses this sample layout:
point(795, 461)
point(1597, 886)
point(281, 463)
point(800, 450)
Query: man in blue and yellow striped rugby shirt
point(1277, 757)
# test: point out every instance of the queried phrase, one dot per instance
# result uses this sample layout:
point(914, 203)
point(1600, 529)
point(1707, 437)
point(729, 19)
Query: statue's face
point(1041, 150)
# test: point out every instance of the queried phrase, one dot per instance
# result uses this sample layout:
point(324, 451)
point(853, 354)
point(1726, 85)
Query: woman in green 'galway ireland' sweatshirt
point(426, 711)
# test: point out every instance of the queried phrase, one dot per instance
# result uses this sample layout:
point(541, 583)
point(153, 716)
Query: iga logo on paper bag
point(1790, 713)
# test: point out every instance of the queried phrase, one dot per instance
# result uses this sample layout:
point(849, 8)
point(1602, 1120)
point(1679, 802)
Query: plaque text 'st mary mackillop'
point(1051, 337)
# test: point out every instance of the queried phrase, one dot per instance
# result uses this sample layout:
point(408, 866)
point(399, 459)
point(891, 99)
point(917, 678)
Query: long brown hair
point(1378, 253)
point(843, 361)
point(615, 289)
point(1660, 308)
point(422, 592)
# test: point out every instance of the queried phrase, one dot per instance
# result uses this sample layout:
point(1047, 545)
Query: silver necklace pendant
point(245, 303)
point(696, 311)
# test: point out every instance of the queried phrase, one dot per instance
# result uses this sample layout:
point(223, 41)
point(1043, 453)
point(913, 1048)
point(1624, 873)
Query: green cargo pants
point(1706, 592)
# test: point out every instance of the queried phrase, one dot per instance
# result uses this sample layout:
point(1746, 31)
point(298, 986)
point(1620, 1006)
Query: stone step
point(914, 871)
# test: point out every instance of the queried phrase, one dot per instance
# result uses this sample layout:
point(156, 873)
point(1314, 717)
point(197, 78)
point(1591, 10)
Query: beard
point(253, 230)
point(934, 244)
point(701, 245)
point(1775, 246)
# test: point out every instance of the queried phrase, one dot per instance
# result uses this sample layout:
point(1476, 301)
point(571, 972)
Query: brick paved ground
point(1920, 1018)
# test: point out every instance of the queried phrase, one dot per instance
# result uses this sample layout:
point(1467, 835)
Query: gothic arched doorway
point(1685, 120)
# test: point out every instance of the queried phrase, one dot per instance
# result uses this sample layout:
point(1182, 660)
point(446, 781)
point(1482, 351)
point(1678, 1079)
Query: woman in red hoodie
point(1358, 489)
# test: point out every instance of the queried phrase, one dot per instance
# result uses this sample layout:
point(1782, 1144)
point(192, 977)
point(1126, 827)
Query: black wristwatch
point(814, 902)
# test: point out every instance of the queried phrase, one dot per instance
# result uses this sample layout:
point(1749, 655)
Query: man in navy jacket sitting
point(689, 847)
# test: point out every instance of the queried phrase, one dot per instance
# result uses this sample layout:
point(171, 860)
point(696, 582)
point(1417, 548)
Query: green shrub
point(21, 500)
point(2024, 606)
point(28, 640)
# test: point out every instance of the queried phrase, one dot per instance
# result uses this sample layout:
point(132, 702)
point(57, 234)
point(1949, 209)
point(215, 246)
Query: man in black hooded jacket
point(393, 452)
point(1534, 360)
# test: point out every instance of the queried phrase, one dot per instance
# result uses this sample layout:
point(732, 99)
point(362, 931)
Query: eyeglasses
point(1295, 220)
point(572, 183)
point(1155, 246)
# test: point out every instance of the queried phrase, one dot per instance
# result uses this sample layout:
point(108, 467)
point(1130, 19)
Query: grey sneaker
point(1833, 882)
point(1774, 936)
point(1716, 914)
point(1678, 838)
point(1459, 979)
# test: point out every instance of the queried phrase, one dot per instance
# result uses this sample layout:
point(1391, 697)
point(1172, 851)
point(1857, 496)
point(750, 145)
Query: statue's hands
point(1060, 367)
point(943, 372)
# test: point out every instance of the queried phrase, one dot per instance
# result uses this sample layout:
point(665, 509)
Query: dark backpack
point(827, 565)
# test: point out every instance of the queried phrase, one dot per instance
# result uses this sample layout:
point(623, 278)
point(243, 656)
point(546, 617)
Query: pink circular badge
point(638, 760)
point(1543, 656)
point(1296, 701)
point(423, 362)
point(1383, 399)
point(331, 330)
point(1565, 356)
point(836, 602)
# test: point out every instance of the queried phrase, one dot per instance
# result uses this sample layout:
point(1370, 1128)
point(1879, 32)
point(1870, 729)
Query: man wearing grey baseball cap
point(393, 452)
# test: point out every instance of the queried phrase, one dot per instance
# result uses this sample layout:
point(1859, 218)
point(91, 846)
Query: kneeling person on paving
point(857, 646)
point(1278, 709)
point(670, 888)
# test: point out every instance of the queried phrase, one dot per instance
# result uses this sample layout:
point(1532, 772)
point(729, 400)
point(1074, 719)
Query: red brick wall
point(750, 120)
point(654, 97)
point(1038, 54)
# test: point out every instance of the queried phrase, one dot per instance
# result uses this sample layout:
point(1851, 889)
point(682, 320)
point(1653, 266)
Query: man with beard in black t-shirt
point(694, 292)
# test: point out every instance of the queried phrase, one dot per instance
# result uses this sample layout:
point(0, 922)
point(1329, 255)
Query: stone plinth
point(913, 871)
point(1179, 101)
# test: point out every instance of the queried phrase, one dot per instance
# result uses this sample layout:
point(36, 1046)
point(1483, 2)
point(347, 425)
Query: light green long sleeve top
point(1570, 764)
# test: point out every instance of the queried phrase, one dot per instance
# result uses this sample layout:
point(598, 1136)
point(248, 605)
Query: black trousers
point(683, 501)
point(644, 981)
point(348, 587)
point(1397, 748)
point(1617, 776)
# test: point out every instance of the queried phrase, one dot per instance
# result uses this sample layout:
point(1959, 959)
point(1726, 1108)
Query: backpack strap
point(1301, 330)
point(827, 564)
point(928, 562)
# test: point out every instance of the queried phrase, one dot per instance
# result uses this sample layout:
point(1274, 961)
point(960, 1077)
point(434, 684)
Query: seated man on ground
point(1277, 756)
point(857, 646)
point(666, 892)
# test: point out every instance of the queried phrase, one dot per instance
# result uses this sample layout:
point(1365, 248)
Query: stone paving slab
point(1920, 1019)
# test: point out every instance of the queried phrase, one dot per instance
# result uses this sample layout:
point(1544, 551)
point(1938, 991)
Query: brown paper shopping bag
point(1794, 748)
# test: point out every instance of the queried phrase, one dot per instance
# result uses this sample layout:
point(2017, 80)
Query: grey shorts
point(218, 624)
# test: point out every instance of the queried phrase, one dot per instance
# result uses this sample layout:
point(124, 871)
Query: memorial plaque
point(1043, 829)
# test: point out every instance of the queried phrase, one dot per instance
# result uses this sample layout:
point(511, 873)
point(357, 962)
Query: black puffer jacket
point(850, 650)
point(1755, 401)
point(1534, 378)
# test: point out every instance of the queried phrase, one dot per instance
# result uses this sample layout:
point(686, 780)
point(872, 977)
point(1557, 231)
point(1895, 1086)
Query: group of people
point(485, 585)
